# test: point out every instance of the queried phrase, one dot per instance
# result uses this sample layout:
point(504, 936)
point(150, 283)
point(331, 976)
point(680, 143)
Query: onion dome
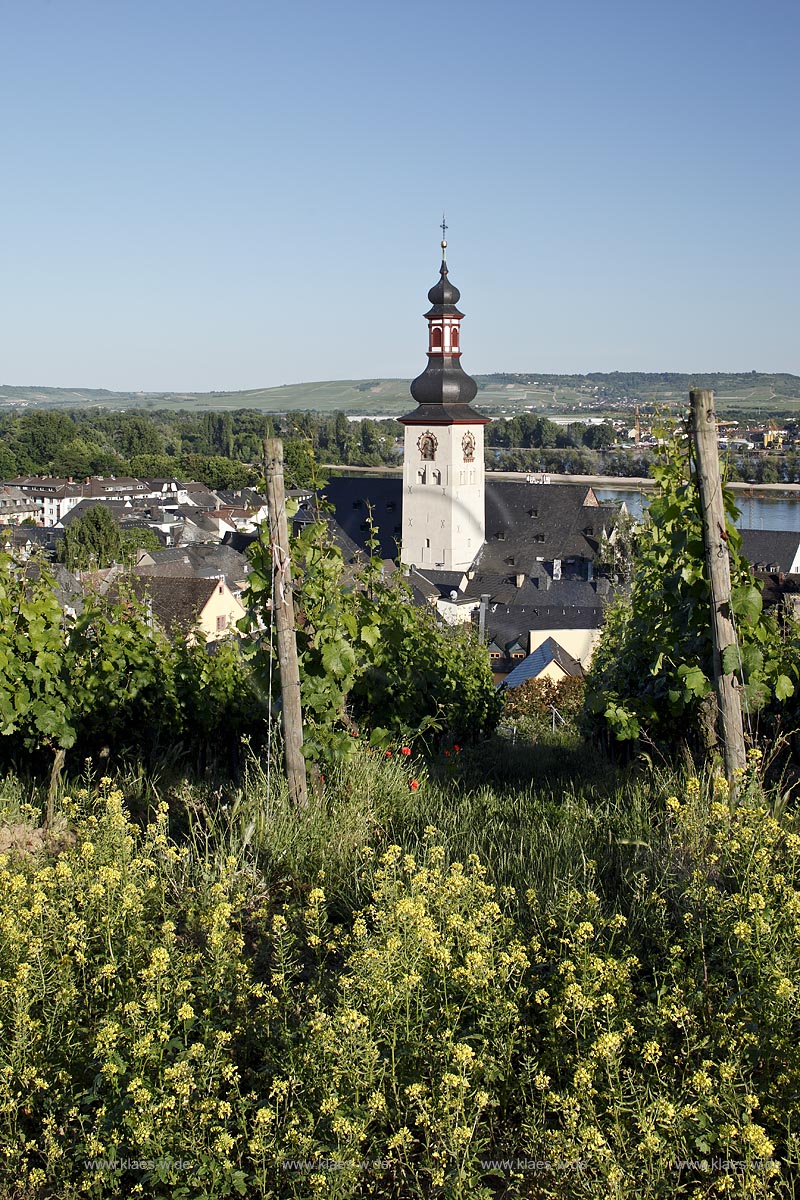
point(444, 391)
point(444, 295)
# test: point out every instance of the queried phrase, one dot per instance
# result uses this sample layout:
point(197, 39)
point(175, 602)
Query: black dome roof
point(444, 292)
point(444, 296)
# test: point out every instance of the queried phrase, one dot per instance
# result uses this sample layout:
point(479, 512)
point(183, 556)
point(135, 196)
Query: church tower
point(444, 506)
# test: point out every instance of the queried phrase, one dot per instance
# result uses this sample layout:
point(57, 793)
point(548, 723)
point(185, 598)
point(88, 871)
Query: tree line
point(222, 450)
point(225, 450)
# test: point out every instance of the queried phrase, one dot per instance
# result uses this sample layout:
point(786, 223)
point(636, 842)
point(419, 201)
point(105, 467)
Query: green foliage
point(106, 679)
point(35, 696)
point(534, 701)
point(215, 471)
point(63, 680)
point(653, 667)
point(368, 657)
point(299, 463)
point(133, 540)
point(92, 541)
point(153, 466)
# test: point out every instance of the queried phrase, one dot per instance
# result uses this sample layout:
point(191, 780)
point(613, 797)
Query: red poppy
point(447, 753)
point(414, 784)
point(388, 754)
point(457, 749)
point(405, 750)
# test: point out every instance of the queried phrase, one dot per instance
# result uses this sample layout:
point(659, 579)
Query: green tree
point(370, 660)
point(8, 463)
point(133, 540)
point(39, 437)
point(137, 435)
point(299, 465)
point(91, 541)
point(653, 669)
point(600, 437)
point(153, 466)
point(215, 471)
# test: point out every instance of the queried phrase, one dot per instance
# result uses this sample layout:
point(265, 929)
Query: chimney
point(485, 598)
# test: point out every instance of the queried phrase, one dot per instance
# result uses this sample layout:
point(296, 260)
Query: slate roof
point(67, 589)
point(204, 560)
point(197, 522)
point(506, 623)
point(538, 521)
point(177, 603)
point(117, 508)
point(530, 522)
point(771, 549)
point(436, 585)
point(531, 667)
point(241, 497)
point(45, 537)
point(238, 540)
point(350, 498)
point(200, 497)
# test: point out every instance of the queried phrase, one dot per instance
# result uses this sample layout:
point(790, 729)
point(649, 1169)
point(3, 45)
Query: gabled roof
point(203, 560)
point(506, 624)
point(772, 550)
point(536, 521)
point(241, 497)
point(67, 589)
point(530, 668)
point(177, 602)
point(37, 535)
point(200, 496)
point(438, 585)
point(117, 508)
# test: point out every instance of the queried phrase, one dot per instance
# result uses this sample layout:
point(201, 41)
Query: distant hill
point(752, 394)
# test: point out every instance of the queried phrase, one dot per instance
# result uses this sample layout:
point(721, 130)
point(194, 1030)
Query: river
point(757, 511)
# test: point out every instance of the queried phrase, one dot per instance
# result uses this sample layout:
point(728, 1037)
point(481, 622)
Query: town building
point(517, 558)
point(443, 520)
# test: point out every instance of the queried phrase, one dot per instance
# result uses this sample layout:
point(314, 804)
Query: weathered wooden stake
point(715, 538)
point(283, 616)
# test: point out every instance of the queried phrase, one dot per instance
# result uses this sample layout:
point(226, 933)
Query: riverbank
point(622, 483)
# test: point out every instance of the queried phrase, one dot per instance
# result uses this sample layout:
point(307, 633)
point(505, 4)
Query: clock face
point(468, 446)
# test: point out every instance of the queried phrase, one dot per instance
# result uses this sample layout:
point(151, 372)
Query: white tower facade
point(444, 497)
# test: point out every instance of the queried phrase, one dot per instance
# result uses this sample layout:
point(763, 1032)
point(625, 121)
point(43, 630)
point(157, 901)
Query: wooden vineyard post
point(283, 616)
point(715, 539)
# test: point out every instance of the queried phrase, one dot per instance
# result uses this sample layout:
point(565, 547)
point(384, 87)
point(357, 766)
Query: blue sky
point(199, 194)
